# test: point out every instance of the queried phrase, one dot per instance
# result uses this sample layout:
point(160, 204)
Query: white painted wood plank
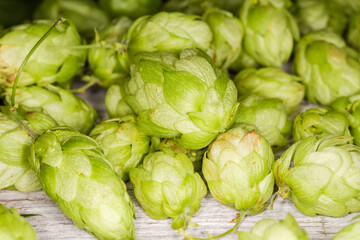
point(213, 218)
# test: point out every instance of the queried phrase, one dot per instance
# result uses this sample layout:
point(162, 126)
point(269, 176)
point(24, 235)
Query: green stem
point(30, 215)
point(60, 20)
point(233, 229)
point(283, 192)
point(88, 46)
point(91, 81)
point(91, 46)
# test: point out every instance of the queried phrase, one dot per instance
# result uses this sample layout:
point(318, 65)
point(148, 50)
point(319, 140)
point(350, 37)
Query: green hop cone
point(237, 168)
point(15, 141)
point(196, 156)
point(198, 7)
point(321, 176)
point(74, 172)
point(108, 61)
point(321, 121)
point(53, 62)
point(327, 67)
point(13, 226)
point(350, 232)
point(115, 101)
point(123, 144)
point(166, 185)
point(243, 61)
point(350, 107)
point(269, 116)
point(16, 11)
point(271, 83)
point(353, 33)
point(130, 8)
point(316, 15)
point(60, 104)
point(84, 14)
point(185, 98)
point(228, 32)
point(270, 31)
point(168, 32)
point(269, 228)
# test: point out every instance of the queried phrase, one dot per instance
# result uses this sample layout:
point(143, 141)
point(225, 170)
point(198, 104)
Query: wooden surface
point(212, 218)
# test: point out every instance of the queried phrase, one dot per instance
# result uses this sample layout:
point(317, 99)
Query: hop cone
point(168, 32)
point(228, 32)
point(84, 14)
point(115, 101)
point(75, 174)
point(353, 33)
point(243, 61)
point(237, 168)
point(130, 8)
point(198, 7)
point(350, 232)
point(53, 62)
point(271, 83)
point(123, 144)
point(270, 31)
point(13, 226)
point(269, 116)
point(109, 62)
point(321, 121)
point(321, 176)
point(316, 15)
point(195, 156)
point(166, 185)
point(269, 228)
point(16, 11)
point(60, 104)
point(15, 141)
point(184, 98)
point(349, 106)
point(327, 67)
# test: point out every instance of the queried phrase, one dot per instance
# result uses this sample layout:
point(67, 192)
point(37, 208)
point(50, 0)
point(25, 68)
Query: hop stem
point(37, 44)
point(240, 217)
point(283, 192)
point(13, 103)
point(91, 80)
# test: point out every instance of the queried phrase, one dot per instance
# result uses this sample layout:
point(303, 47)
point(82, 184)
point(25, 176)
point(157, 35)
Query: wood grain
point(212, 218)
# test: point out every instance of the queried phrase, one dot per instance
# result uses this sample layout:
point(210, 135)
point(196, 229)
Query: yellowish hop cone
point(237, 168)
